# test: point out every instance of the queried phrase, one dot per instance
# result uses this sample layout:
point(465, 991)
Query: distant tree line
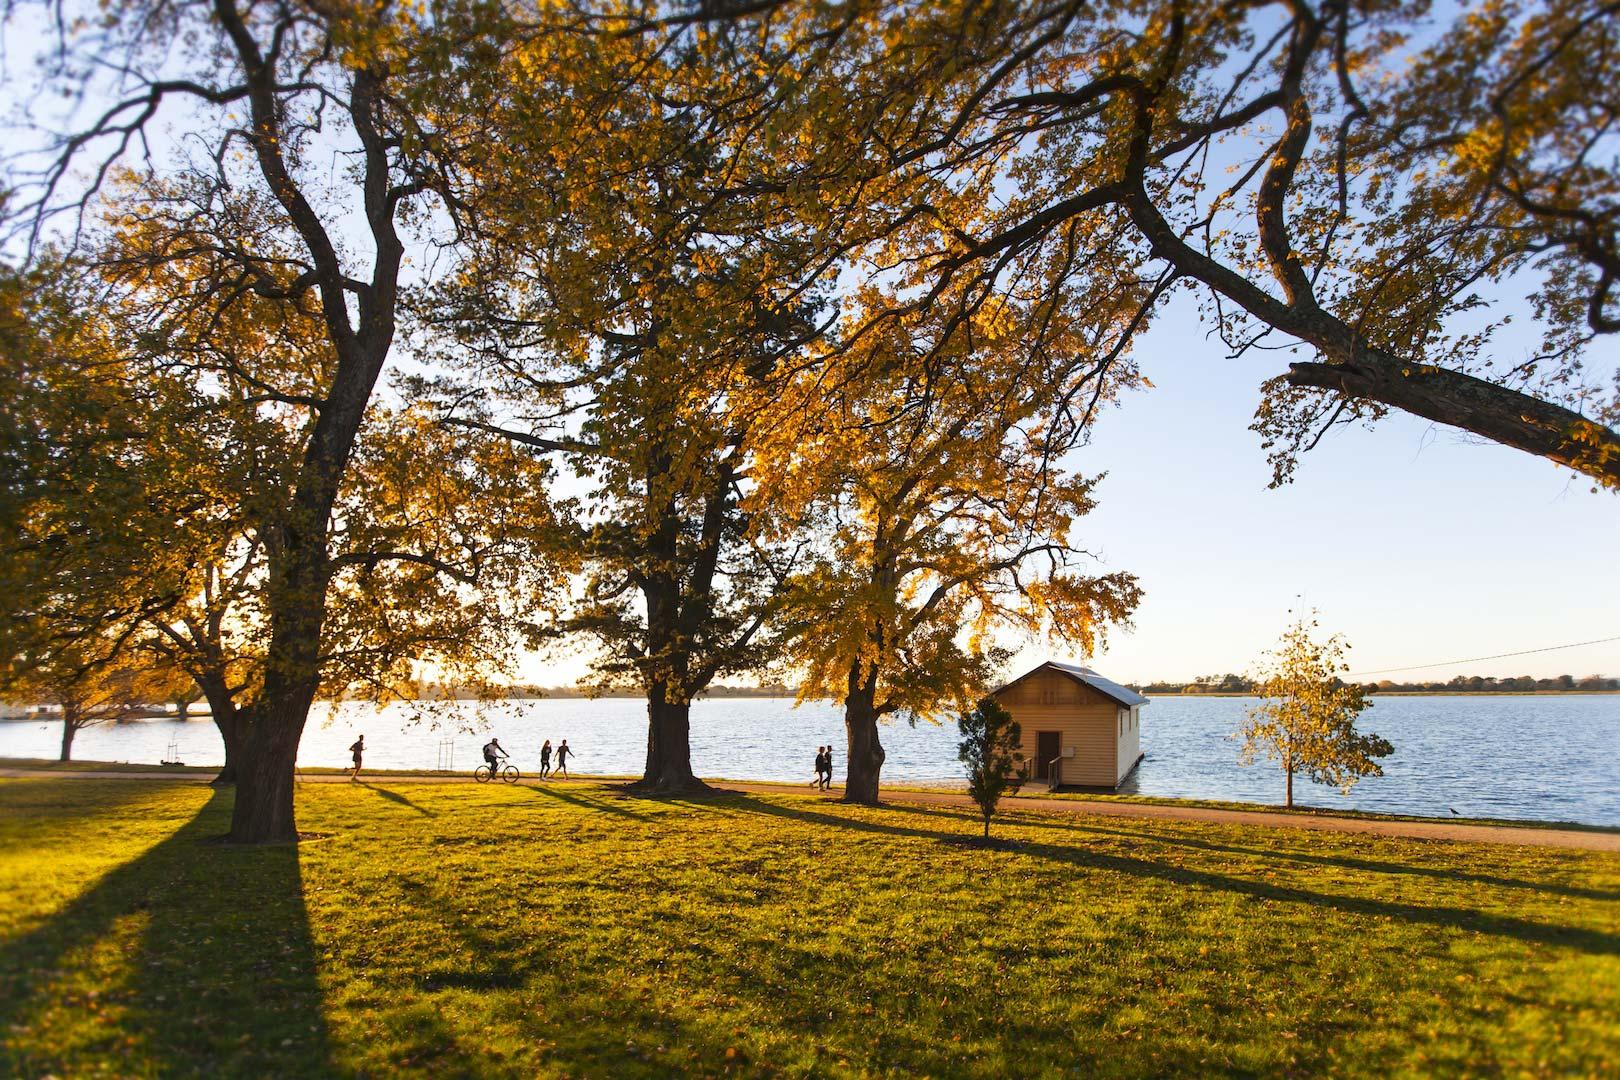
point(1461, 684)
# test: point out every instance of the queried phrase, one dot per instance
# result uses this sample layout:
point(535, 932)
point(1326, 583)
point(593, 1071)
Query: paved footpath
point(1575, 839)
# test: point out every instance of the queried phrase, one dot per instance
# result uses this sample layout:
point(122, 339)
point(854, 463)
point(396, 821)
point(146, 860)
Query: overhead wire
point(1478, 659)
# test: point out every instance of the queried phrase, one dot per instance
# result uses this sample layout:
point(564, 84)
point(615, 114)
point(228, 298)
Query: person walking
point(545, 760)
point(356, 751)
point(821, 754)
point(826, 768)
point(563, 754)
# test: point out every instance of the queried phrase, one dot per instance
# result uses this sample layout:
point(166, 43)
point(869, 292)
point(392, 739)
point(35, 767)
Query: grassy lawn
point(1298, 809)
point(53, 765)
point(445, 930)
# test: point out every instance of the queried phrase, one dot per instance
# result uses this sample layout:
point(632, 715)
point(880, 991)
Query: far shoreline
point(1405, 693)
point(203, 714)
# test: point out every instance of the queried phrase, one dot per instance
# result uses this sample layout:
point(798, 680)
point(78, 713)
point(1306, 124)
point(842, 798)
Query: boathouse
point(1078, 728)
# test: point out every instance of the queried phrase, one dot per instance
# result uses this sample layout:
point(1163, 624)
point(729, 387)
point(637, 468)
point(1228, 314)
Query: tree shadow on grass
point(211, 970)
point(590, 1025)
point(36, 804)
point(587, 803)
point(1371, 866)
point(394, 796)
point(1583, 939)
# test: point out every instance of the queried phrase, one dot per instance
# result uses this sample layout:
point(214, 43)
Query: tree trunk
point(669, 748)
point(987, 826)
point(231, 735)
point(669, 702)
point(222, 708)
point(1288, 789)
point(182, 709)
point(865, 755)
point(269, 730)
point(263, 813)
point(70, 728)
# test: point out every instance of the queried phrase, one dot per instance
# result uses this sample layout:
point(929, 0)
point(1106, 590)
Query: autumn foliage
point(1306, 718)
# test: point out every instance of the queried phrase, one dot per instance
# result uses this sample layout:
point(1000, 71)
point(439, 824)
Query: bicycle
point(484, 774)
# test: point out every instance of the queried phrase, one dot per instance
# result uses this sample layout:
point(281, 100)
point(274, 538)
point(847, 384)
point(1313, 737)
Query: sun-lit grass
point(443, 930)
point(1298, 809)
point(52, 765)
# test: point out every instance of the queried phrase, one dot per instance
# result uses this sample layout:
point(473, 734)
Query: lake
point(1530, 757)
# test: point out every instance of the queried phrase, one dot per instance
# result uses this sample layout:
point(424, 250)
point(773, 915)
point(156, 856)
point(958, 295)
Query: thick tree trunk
point(297, 546)
point(263, 813)
point(70, 728)
point(270, 729)
point(182, 709)
point(865, 757)
point(669, 708)
point(669, 748)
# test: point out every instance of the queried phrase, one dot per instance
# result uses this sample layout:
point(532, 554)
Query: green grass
point(457, 930)
point(53, 765)
point(1033, 791)
point(1299, 809)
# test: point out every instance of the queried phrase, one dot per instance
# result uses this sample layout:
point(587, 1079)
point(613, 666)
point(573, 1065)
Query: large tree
point(244, 220)
point(92, 682)
point(156, 468)
point(935, 447)
point(631, 311)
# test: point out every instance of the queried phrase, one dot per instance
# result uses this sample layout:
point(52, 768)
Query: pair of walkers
point(563, 754)
point(494, 754)
point(823, 779)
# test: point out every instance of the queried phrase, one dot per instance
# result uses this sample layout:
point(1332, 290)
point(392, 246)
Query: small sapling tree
point(1306, 719)
point(989, 749)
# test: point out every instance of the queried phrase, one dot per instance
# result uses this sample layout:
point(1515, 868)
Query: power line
point(1477, 659)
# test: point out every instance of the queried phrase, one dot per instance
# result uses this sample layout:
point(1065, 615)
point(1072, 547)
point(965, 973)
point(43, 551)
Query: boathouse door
point(1048, 745)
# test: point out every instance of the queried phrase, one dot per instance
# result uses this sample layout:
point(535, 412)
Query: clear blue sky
point(1418, 545)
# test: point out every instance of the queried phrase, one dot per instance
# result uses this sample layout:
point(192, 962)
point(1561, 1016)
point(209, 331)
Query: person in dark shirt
point(821, 753)
point(493, 752)
point(545, 759)
point(563, 754)
point(826, 769)
point(356, 750)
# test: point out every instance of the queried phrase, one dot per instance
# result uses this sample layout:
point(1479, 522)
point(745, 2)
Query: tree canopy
point(1343, 180)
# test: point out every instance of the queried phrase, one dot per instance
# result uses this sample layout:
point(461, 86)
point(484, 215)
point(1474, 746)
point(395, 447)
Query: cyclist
point(493, 752)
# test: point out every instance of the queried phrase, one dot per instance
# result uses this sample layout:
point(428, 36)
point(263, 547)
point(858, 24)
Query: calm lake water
point(1535, 757)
